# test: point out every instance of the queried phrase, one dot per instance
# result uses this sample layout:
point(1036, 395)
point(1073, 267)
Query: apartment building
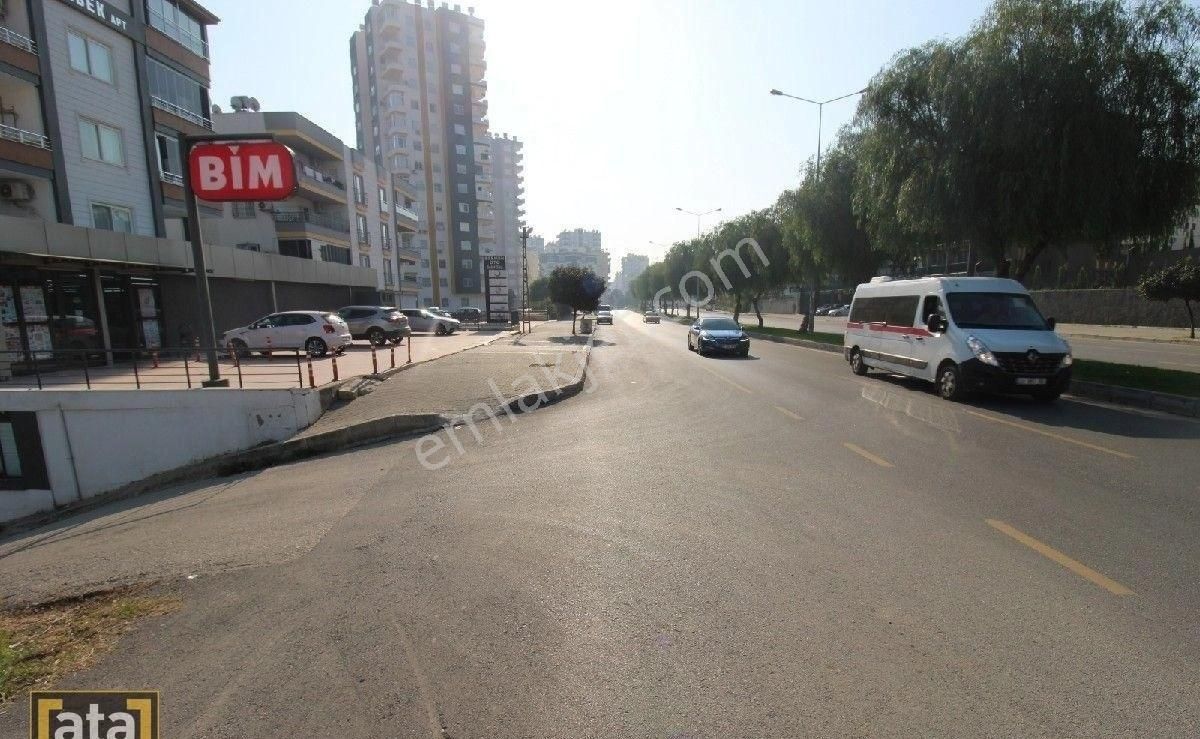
point(577, 248)
point(509, 205)
point(421, 114)
point(94, 97)
point(346, 210)
point(632, 265)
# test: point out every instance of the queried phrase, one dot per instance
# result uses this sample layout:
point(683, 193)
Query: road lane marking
point(786, 412)
point(1051, 553)
point(867, 455)
point(1059, 437)
point(720, 376)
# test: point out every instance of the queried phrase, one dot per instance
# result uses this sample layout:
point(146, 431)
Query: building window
point(460, 149)
point(464, 227)
point(360, 196)
point(335, 254)
point(445, 282)
point(385, 234)
point(112, 218)
point(89, 56)
point(437, 187)
point(463, 188)
point(433, 107)
point(243, 210)
point(178, 90)
point(468, 263)
point(174, 22)
point(101, 143)
point(250, 246)
point(459, 109)
point(169, 161)
point(364, 260)
point(468, 282)
point(464, 208)
point(300, 248)
point(361, 220)
point(10, 459)
point(465, 245)
point(424, 264)
point(441, 264)
point(456, 89)
point(455, 69)
point(460, 129)
point(383, 199)
point(387, 272)
point(462, 168)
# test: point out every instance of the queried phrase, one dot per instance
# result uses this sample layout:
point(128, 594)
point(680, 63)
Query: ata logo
point(93, 714)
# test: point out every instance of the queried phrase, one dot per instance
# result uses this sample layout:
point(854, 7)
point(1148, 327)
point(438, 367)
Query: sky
point(628, 110)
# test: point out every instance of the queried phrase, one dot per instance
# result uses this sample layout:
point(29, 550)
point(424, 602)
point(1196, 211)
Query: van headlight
point(1067, 360)
point(981, 352)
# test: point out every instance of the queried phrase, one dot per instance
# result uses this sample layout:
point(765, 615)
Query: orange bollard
point(197, 343)
point(269, 356)
point(374, 361)
point(312, 381)
point(154, 358)
point(392, 350)
point(335, 372)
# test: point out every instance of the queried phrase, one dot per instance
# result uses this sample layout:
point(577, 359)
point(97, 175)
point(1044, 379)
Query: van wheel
point(857, 365)
point(949, 382)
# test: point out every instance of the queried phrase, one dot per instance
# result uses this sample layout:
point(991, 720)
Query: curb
point(1178, 405)
point(806, 343)
point(389, 428)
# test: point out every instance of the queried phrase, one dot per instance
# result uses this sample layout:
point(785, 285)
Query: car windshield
point(719, 324)
point(1012, 311)
point(605, 308)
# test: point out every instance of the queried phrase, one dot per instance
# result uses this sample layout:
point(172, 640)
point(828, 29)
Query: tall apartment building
point(421, 114)
point(346, 210)
point(632, 265)
point(509, 206)
point(94, 97)
point(576, 247)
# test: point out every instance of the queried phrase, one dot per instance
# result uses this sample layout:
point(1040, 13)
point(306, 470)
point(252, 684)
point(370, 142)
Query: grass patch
point(1134, 376)
point(39, 644)
point(821, 336)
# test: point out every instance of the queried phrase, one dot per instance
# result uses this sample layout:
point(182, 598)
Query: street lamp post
point(809, 321)
point(698, 217)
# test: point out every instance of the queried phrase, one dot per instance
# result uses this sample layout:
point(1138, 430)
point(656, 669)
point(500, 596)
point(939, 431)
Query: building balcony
point(484, 195)
point(406, 219)
point(298, 224)
point(25, 147)
point(18, 50)
point(320, 185)
point(192, 122)
point(487, 232)
point(407, 254)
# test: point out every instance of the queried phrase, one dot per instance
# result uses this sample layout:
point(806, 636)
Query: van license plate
point(1031, 380)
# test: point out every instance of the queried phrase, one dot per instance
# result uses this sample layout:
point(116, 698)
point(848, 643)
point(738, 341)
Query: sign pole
point(207, 330)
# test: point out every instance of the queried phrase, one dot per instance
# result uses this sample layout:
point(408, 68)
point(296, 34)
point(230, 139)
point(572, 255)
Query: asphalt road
point(1168, 355)
point(768, 547)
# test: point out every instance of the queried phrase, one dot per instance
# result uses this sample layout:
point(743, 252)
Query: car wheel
point(239, 347)
point(690, 347)
point(376, 337)
point(441, 330)
point(949, 382)
point(316, 347)
point(1047, 396)
point(857, 365)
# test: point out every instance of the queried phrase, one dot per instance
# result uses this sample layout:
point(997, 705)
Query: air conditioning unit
point(15, 191)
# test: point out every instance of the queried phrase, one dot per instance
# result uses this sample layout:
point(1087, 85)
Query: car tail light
point(329, 329)
point(395, 318)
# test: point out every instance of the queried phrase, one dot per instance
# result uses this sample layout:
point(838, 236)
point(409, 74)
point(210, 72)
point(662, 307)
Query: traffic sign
point(234, 171)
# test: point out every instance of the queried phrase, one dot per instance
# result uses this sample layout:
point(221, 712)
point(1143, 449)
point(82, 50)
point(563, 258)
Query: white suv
point(316, 332)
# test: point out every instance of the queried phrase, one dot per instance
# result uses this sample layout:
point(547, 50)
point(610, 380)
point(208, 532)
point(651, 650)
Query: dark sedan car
point(718, 336)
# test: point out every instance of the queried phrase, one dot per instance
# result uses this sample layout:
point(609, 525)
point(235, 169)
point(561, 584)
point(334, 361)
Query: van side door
point(897, 335)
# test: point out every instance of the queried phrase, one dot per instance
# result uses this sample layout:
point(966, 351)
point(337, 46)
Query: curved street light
point(820, 113)
point(699, 216)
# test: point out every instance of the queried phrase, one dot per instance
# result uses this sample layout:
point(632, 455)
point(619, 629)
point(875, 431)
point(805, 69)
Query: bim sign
point(233, 171)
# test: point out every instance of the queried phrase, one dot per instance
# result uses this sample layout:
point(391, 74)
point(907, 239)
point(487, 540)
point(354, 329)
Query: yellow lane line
point(1059, 437)
point(786, 412)
point(867, 455)
point(1051, 553)
point(720, 376)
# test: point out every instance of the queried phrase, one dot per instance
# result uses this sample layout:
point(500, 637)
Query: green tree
point(1179, 281)
point(577, 288)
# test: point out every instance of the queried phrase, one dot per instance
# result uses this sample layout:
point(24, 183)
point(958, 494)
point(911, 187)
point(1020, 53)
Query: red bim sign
point(241, 171)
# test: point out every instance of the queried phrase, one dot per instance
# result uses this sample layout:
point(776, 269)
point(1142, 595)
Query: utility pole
point(524, 326)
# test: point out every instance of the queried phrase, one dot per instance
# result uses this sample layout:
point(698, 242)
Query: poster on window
point(151, 334)
point(12, 342)
point(8, 305)
point(40, 342)
point(33, 303)
point(146, 302)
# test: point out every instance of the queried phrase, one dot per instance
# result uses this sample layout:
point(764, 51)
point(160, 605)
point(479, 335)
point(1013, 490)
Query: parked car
point(839, 312)
point(604, 314)
point(718, 336)
point(424, 319)
point(316, 332)
point(377, 324)
point(961, 333)
point(651, 316)
point(467, 315)
point(824, 310)
point(440, 312)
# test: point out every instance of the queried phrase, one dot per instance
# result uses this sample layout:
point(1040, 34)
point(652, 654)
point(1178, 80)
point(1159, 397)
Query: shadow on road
point(1066, 413)
point(579, 340)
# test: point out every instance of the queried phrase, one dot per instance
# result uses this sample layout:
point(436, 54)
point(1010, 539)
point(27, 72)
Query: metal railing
point(24, 137)
point(407, 213)
point(172, 178)
point(12, 38)
point(172, 30)
point(319, 176)
point(183, 113)
point(148, 369)
point(316, 219)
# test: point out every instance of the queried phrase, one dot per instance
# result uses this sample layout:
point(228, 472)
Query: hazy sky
point(628, 109)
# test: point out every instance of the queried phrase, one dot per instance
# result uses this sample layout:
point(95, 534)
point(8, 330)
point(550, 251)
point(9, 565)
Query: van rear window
point(894, 310)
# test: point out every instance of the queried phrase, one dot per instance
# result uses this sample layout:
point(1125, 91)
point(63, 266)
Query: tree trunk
point(1030, 257)
point(809, 324)
point(757, 311)
point(737, 305)
point(1191, 318)
point(573, 314)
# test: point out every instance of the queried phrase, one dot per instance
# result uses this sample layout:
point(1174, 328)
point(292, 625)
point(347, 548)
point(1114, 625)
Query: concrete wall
point(1119, 306)
point(159, 430)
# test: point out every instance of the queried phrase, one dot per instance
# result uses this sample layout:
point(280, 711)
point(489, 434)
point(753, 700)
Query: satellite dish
point(216, 109)
point(254, 104)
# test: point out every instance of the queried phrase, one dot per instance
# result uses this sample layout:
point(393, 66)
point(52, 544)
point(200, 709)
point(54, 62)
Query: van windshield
point(1011, 311)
